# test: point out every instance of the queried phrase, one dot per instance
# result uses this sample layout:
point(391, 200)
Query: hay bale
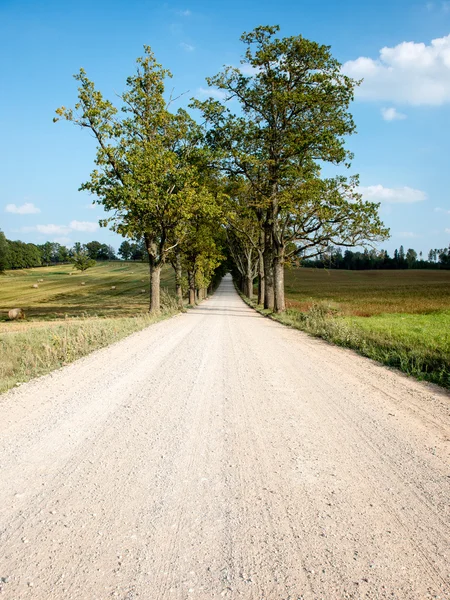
point(35, 286)
point(142, 291)
point(15, 314)
point(113, 287)
point(83, 283)
point(40, 280)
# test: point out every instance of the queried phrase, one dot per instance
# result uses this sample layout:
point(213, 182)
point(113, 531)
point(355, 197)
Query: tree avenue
point(293, 117)
point(246, 184)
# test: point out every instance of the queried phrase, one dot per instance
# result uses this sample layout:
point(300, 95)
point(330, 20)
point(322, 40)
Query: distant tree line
point(22, 255)
point(335, 258)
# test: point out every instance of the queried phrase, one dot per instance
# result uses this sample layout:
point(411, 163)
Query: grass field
point(62, 294)
point(400, 318)
point(67, 320)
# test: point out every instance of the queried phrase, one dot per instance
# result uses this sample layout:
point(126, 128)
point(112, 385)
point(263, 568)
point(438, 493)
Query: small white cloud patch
point(212, 92)
point(187, 47)
point(392, 114)
point(401, 195)
point(25, 209)
point(87, 226)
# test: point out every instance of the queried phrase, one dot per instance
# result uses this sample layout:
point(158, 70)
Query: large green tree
point(144, 175)
point(293, 116)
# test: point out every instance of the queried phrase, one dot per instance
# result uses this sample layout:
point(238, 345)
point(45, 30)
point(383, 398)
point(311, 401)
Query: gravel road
point(221, 455)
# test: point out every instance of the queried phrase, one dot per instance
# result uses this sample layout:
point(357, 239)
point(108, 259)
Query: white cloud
point(410, 73)
point(447, 230)
point(25, 209)
point(442, 210)
point(248, 69)
point(52, 229)
point(392, 114)
point(212, 92)
point(62, 240)
point(183, 13)
point(408, 235)
point(187, 47)
point(88, 226)
point(62, 230)
point(402, 195)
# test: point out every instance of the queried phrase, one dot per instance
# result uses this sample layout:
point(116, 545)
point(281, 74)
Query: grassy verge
point(417, 344)
point(28, 350)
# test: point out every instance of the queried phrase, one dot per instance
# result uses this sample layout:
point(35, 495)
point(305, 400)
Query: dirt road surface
point(220, 455)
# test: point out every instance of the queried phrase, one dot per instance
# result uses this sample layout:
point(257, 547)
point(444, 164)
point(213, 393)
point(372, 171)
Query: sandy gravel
point(221, 455)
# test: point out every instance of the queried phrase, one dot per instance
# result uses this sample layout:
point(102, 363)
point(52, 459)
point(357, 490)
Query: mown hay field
point(62, 294)
point(400, 318)
point(66, 320)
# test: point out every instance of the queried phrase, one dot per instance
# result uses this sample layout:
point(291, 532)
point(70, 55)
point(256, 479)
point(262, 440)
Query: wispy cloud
point(187, 47)
point(62, 230)
point(211, 92)
point(401, 195)
point(408, 235)
point(86, 226)
point(183, 13)
point(25, 209)
point(442, 210)
point(392, 114)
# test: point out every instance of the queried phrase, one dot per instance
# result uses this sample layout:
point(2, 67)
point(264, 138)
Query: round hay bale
point(15, 314)
point(113, 287)
point(35, 286)
point(142, 291)
point(83, 283)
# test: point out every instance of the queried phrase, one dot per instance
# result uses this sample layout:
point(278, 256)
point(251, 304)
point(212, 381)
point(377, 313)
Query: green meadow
point(71, 314)
point(399, 318)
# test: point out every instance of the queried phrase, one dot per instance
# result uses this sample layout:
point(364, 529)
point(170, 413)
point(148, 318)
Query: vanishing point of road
point(220, 455)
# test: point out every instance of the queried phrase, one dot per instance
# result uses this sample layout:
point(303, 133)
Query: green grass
point(62, 294)
point(30, 351)
point(399, 318)
point(367, 293)
point(66, 320)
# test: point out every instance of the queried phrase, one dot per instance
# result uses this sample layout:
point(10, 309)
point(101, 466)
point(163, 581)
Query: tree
point(82, 261)
point(93, 250)
point(125, 250)
point(143, 170)
point(4, 252)
point(411, 257)
point(294, 116)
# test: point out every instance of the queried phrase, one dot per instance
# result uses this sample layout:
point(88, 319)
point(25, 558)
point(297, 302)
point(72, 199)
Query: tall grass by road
point(399, 318)
point(67, 320)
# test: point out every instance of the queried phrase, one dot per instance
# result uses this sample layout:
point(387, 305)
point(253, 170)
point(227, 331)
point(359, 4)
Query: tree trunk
point(178, 278)
point(260, 278)
point(155, 286)
point(191, 279)
point(249, 287)
point(279, 304)
point(269, 292)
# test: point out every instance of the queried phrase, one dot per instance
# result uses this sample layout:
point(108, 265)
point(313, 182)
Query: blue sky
point(402, 110)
